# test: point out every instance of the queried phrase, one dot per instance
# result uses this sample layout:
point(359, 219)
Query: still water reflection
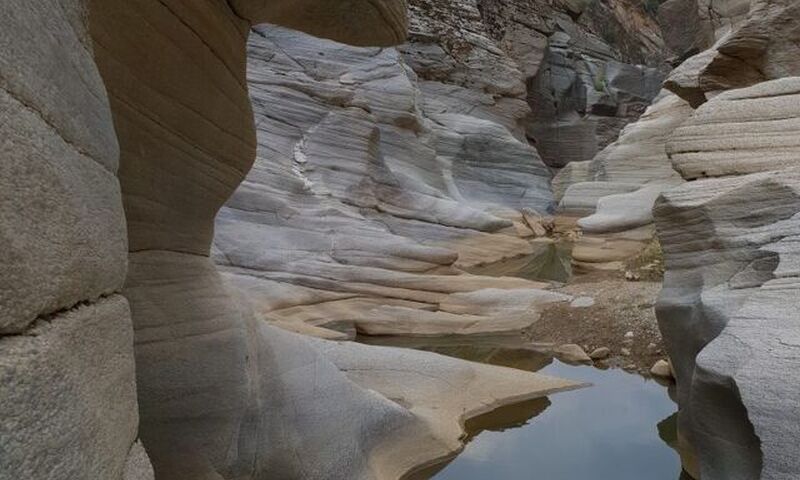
point(608, 432)
point(620, 428)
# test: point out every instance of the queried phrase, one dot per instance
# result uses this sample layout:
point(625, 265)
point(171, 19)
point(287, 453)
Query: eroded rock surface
point(724, 319)
point(613, 194)
point(67, 387)
point(222, 394)
point(370, 194)
point(590, 68)
point(731, 258)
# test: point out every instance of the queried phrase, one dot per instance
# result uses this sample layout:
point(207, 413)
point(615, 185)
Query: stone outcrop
point(613, 194)
point(371, 194)
point(729, 248)
point(761, 45)
point(590, 68)
point(220, 394)
point(67, 388)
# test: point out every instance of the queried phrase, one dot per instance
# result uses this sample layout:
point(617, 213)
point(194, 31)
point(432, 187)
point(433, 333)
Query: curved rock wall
point(728, 240)
point(727, 234)
point(67, 389)
point(729, 248)
point(379, 171)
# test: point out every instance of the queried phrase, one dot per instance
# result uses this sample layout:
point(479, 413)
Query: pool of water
point(609, 431)
point(620, 428)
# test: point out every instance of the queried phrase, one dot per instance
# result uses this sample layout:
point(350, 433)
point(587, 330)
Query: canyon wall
point(67, 385)
point(729, 236)
point(613, 193)
point(716, 153)
point(383, 175)
point(142, 107)
point(589, 67)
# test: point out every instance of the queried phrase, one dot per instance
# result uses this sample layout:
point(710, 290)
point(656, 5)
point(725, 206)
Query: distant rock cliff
point(380, 170)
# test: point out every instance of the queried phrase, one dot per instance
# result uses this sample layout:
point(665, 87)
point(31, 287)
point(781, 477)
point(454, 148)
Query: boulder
point(661, 369)
point(572, 353)
point(600, 353)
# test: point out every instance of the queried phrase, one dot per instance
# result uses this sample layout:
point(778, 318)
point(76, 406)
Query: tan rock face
point(357, 22)
point(62, 234)
point(184, 125)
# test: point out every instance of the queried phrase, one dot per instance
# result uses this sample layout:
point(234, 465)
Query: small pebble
point(661, 369)
point(625, 352)
point(600, 353)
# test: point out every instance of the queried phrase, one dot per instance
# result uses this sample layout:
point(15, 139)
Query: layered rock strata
point(220, 394)
point(382, 173)
point(371, 194)
point(590, 68)
point(613, 195)
point(730, 272)
point(729, 247)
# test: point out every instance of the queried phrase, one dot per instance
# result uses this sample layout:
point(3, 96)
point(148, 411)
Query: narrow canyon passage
point(399, 239)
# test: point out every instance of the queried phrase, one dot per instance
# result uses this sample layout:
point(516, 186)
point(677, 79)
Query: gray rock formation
point(730, 250)
point(613, 194)
point(220, 394)
point(692, 26)
point(761, 45)
point(369, 190)
point(590, 68)
point(717, 142)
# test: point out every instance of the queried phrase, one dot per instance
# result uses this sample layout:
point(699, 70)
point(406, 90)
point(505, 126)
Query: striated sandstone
point(723, 319)
point(741, 131)
point(373, 192)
